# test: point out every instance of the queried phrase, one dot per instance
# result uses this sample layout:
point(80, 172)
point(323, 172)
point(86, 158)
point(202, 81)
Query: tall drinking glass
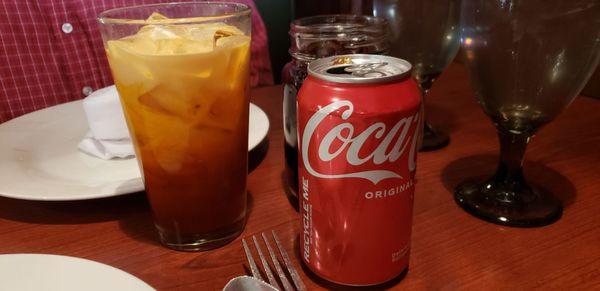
point(182, 71)
point(425, 33)
point(527, 61)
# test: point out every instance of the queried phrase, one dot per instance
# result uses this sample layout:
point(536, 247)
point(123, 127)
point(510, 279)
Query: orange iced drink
point(184, 90)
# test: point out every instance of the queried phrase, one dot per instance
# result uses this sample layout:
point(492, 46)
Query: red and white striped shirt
point(51, 52)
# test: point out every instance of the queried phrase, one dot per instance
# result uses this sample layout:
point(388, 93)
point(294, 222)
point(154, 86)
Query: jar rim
point(319, 23)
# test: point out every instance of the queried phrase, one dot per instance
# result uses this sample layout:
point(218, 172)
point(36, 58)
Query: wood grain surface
point(451, 250)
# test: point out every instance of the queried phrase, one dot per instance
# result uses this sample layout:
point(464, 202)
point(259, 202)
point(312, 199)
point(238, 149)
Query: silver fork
point(275, 261)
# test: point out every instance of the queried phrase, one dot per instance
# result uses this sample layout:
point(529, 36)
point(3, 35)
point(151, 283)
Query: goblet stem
point(433, 139)
point(506, 198)
point(509, 175)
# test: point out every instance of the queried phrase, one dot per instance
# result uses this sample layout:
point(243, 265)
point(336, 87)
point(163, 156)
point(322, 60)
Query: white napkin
point(108, 136)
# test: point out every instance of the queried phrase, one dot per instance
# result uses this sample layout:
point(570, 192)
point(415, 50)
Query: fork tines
point(275, 262)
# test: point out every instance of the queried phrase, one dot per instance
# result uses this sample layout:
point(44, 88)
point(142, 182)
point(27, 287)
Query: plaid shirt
point(51, 52)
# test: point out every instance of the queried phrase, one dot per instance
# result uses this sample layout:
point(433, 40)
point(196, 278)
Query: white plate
point(39, 159)
point(28, 272)
point(258, 126)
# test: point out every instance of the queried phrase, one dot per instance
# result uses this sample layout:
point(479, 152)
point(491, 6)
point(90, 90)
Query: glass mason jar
point(317, 37)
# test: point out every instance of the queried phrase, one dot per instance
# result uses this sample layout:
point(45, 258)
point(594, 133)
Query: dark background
point(277, 15)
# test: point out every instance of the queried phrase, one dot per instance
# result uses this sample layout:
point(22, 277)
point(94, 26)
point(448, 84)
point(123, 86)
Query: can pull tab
point(360, 70)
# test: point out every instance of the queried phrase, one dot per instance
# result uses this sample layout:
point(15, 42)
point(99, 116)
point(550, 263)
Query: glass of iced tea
point(182, 71)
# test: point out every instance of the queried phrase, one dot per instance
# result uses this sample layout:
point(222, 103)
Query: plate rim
point(80, 260)
point(131, 186)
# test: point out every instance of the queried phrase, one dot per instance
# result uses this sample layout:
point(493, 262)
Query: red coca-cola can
point(359, 119)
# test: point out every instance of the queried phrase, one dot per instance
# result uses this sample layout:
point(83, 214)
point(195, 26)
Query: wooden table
point(451, 249)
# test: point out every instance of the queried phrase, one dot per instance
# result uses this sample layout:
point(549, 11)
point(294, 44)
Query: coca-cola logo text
point(345, 133)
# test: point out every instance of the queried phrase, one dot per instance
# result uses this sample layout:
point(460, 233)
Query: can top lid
point(359, 69)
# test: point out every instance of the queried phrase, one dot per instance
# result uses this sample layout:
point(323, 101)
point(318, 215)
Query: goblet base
point(433, 139)
point(482, 200)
